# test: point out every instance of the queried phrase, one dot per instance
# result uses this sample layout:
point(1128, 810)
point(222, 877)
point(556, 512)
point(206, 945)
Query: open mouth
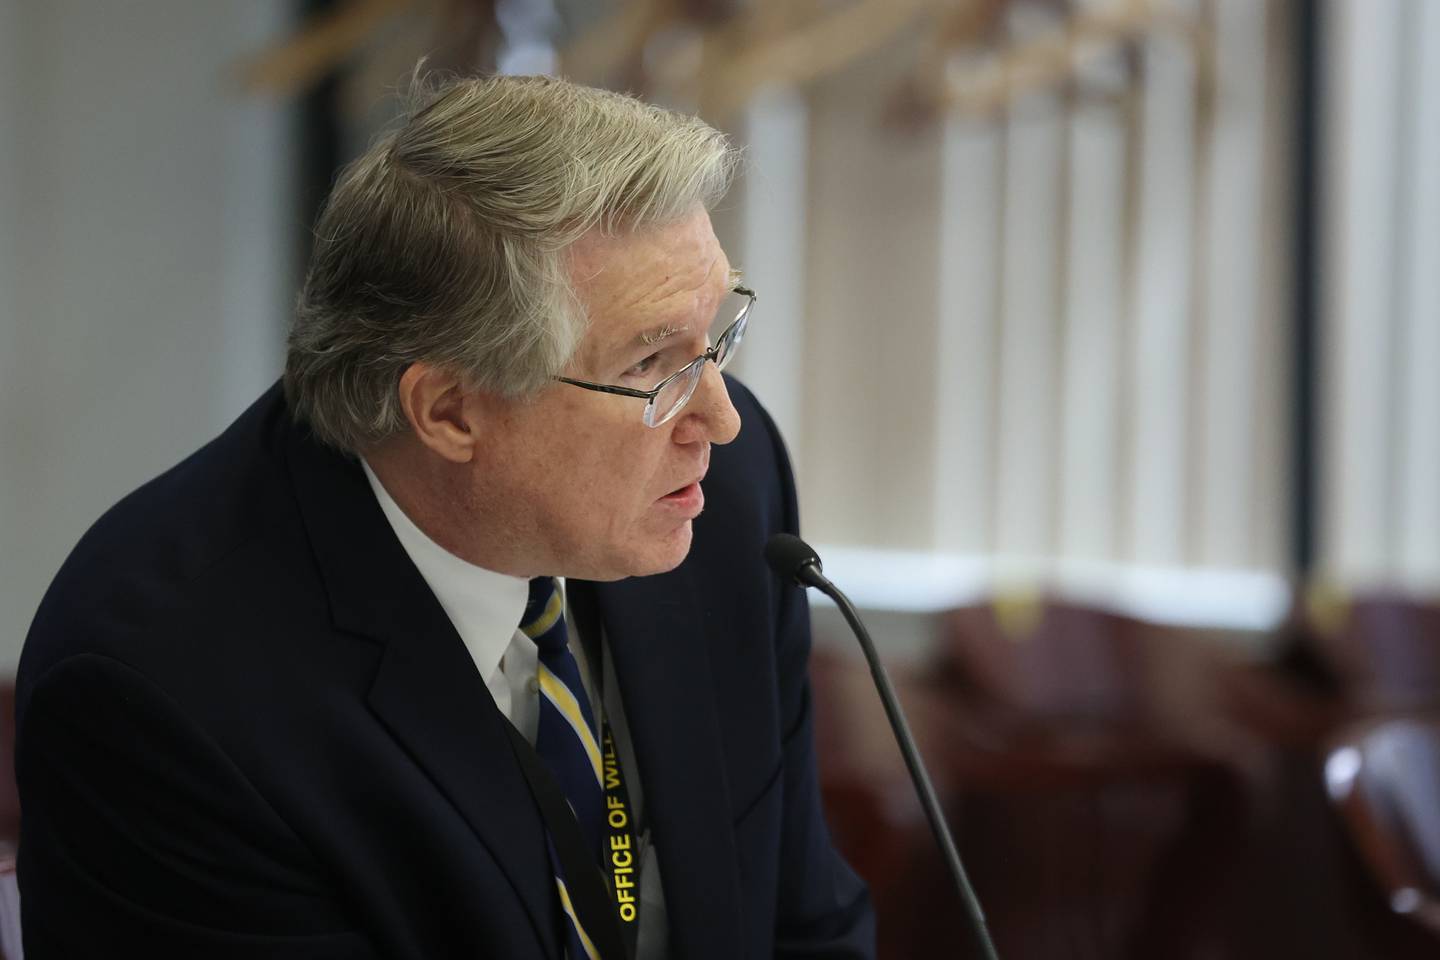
point(688, 500)
point(685, 491)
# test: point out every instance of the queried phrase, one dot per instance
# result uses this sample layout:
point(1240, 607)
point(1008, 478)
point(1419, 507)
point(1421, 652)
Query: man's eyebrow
point(655, 334)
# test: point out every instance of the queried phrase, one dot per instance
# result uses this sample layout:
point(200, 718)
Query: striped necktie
point(566, 738)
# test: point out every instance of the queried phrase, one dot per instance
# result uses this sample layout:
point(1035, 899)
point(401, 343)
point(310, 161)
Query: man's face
point(572, 480)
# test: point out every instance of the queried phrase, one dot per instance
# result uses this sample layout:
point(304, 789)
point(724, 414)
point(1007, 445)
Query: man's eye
point(644, 367)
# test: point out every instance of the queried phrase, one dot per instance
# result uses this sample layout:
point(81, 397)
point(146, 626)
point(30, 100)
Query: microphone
point(794, 560)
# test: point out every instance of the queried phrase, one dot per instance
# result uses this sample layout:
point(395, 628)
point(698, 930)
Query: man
point(276, 703)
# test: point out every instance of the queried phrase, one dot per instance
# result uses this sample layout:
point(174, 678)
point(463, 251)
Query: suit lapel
point(426, 690)
point(663, 670)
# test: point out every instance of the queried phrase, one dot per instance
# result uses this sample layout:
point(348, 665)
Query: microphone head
point(790, 557)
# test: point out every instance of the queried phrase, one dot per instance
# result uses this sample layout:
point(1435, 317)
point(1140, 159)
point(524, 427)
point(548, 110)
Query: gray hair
point(447, 241)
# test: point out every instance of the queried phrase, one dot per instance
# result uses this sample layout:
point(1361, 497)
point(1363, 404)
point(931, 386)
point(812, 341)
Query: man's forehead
point(634, 285)
point(670, 255)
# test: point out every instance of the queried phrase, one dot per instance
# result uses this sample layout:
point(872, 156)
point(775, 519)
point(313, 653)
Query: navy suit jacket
point(247, 729)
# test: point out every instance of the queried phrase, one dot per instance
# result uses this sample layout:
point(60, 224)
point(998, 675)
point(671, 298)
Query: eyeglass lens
point(678, 391)
point(675, 395)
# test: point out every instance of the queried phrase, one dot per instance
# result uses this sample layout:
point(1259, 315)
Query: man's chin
point(665, 554)
point(643, 559)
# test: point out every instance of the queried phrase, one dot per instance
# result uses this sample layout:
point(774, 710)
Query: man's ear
point(434, 402)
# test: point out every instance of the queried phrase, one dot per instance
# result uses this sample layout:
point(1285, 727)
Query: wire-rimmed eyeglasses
point(670, 395)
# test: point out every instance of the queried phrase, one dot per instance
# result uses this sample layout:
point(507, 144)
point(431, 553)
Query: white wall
point(1044, 348)
point(145, 262)
point(1380, 522)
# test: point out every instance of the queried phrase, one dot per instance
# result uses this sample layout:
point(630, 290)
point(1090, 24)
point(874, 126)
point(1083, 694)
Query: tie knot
point(543, 621)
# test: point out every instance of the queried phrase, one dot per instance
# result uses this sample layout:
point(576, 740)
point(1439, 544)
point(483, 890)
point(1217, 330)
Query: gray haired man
point(433, 653)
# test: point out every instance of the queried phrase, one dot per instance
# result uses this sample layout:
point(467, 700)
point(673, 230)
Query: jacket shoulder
point(168, 548)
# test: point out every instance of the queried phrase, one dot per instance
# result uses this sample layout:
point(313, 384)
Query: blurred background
point(1104, 334)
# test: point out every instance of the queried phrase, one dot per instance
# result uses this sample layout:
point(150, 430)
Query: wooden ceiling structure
point(717, 54)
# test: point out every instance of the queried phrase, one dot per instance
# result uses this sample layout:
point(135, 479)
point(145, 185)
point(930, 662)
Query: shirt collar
point(484, 606)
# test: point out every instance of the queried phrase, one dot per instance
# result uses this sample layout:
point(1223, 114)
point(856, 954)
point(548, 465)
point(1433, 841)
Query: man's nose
point(709, 415)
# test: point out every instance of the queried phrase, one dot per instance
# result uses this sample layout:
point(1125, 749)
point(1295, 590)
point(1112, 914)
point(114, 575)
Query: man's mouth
point(682, 491)
point(689, 488)
point(689, 499)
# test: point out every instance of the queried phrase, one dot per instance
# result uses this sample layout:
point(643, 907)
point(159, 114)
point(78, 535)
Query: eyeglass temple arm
point(606, 388)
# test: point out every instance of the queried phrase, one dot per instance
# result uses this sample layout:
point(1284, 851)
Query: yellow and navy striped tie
point(566, 738)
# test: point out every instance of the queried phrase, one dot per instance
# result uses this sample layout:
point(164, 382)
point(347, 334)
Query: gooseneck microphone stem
point(792, 558)
point(923, 787)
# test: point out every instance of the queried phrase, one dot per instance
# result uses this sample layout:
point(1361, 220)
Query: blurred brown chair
point(1104, 791)
point(1095, 796)
point(1042, 660)
point(1344, 665)
point(1124, 790)
point(1062, 693)
point(1384, 649)
point(1383, 778)
point(874, 817)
